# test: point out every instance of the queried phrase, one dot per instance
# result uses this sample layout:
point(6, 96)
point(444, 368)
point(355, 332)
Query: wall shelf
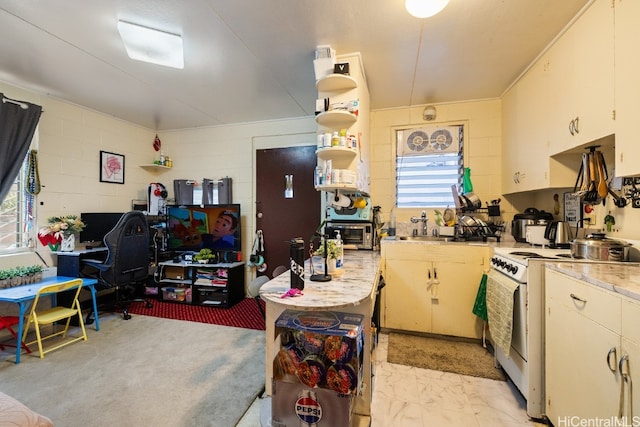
point(336, 119)
point(336, 153)
point(152, 167)
point(336, 82)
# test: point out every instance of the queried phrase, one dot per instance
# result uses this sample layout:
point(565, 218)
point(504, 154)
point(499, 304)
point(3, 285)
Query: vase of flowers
point(60, 231)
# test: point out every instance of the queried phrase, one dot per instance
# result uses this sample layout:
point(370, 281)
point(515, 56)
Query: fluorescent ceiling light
point(150, 45)
point(425, 8)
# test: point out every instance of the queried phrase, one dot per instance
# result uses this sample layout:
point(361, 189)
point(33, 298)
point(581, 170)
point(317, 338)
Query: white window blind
point(15, 218)
point(428, 162)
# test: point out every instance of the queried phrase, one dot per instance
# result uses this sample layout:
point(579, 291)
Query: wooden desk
point(21, 295)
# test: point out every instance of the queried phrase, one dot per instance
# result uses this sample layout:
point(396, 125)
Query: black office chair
point(127, 262)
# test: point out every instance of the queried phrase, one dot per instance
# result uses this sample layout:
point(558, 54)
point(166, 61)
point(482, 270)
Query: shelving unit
point(215, 285)
point(342, 88)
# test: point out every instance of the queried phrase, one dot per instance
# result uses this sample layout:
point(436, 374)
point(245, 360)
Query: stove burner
point(526, 254)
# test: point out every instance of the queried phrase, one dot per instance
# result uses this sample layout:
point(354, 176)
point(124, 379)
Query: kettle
point(559, 234)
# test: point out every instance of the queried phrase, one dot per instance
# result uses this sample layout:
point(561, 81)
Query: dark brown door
point(285, 212)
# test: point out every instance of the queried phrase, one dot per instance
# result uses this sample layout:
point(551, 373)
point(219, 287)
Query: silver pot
point(472, 201)
point(596, 247)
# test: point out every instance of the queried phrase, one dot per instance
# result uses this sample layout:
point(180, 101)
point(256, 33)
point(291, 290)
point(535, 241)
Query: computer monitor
point(217, 227)
point(98, 224)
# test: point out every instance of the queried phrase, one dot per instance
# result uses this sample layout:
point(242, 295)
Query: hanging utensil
point(583, 178)
point(603, 188)
point(592, 191)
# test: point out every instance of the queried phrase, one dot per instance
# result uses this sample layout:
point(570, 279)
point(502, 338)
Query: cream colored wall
point(69, 142)
point(482, 148)
point(221, 151)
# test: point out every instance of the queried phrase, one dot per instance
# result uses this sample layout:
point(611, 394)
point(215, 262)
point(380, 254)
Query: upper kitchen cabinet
point(525, 154)
point(343, 155)
point(562, 104)
point(580, 68)
point(627, 86)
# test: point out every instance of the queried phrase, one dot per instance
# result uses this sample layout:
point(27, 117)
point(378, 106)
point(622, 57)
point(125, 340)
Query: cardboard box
point(293, 405)
point(320, 349)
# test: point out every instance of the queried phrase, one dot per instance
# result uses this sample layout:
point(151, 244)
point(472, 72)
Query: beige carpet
point(441, 354)
point(143, 372)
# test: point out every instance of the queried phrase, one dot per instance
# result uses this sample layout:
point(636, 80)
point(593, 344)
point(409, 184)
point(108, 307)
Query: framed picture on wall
point(111, 167)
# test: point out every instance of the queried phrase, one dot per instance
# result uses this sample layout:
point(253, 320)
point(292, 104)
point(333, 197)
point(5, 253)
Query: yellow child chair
point(47, 316)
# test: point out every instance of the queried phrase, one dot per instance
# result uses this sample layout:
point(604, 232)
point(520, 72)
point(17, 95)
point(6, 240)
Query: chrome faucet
point(423, 219)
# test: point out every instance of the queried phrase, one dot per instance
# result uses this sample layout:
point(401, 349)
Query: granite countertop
point(349, 289)
point(623, 278)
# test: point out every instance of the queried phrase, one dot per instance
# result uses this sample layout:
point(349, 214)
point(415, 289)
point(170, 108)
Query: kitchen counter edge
point(622, 278)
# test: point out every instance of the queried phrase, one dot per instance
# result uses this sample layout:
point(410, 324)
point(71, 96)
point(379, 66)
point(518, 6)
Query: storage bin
point(174, 294)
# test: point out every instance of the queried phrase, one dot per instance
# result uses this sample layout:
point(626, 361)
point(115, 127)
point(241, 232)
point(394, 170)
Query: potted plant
point(333, 253)
point(5, 279)
point(205, 256)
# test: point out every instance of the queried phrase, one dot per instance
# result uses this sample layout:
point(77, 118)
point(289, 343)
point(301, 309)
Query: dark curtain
point(18, 121)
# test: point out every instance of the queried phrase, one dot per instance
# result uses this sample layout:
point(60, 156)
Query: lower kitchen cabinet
point(591, 341)
point(431, 288)
point(215, 285)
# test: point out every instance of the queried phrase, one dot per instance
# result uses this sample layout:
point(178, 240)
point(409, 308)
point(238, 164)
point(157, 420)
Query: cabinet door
point(407, 295)
point(578, 379)
point(525, 148)
point(582, 78)
point(627, 89)
point(593, 77)
point(453, 298)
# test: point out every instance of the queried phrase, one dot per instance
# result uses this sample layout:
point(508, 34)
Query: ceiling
point(252, 60)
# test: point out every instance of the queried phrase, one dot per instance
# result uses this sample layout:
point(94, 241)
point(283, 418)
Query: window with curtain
point(15, 218)
point(429, 160)
point(18, 123)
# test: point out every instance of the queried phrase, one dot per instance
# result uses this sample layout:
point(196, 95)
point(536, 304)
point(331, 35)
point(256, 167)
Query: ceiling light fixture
point(150, 45)
point(425, 8)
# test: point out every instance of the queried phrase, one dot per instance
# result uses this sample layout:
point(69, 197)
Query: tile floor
point(413, 397)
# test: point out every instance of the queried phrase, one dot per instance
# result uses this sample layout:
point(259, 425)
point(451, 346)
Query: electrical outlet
point(590, 220)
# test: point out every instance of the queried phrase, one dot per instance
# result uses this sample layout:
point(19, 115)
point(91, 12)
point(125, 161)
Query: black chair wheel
point(149, 305)
point(126, 316)
point(89, 320)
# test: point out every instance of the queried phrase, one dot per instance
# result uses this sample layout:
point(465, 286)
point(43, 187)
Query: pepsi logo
point(308, 410)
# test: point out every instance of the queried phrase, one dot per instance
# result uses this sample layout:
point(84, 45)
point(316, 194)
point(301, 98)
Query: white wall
point(69, 142)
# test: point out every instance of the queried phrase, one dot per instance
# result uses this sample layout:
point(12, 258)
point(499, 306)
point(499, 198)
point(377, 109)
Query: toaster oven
point(358, 234)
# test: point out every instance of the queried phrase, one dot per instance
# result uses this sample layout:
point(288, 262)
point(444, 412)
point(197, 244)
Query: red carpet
point(245, 314)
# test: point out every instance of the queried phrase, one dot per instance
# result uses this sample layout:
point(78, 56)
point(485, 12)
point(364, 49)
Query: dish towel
point(500, 290)
point(480, 306)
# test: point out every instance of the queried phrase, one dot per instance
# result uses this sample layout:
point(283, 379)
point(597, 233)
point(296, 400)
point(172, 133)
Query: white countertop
point(623, 278)
point(351, 288)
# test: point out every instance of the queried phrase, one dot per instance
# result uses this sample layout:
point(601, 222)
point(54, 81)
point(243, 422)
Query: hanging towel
point(466, 181)
point(480, 306)
point(500, 290)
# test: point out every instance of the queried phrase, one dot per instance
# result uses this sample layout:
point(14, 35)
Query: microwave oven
point(358, 234)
